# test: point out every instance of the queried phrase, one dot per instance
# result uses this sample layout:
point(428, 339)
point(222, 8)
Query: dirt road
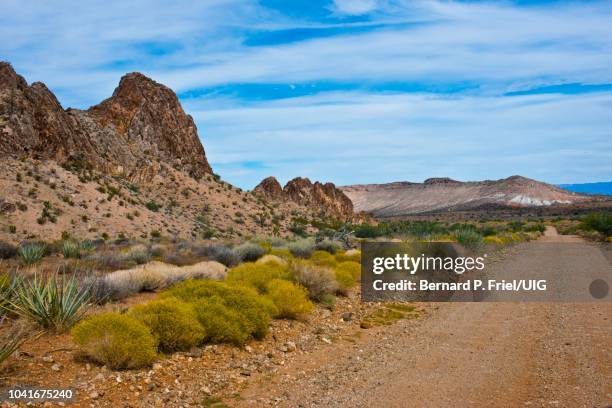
point(468, 354)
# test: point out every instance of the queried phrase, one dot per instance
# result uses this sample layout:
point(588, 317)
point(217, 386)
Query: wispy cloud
point(352, 91)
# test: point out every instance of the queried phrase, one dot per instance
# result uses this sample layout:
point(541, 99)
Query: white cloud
point(352, 138)
point(355, 7)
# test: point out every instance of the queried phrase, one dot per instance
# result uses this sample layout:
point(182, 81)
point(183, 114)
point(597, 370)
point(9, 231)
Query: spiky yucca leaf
point(52, 302)
point(11, 341)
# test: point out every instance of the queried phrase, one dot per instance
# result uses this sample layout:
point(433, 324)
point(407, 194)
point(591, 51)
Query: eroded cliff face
point(302, 191)
point(130, 134)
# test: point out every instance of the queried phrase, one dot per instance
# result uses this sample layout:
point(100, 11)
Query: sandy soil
point(468, 354)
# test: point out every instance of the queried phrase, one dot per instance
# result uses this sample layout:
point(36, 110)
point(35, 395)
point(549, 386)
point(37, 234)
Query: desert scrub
point(116, 340)
point(139, 254)
point(345, 279)
point(257, 275)
point(52, 302)
point(283, 253)
point(249, 252)
point(328, 245)
point(353, 268)
point(350, 255)
point(71, 249)
point(11, 340)
point(219, 253)
point(600, 222)
point(7, 250)
point(494, 240)
point(152, 206)
point(244, 300)
point(469, 238)
point(222, 324)
point(302, 248)
point(32, 253)
point(323, 258)
point(320, 281)
point(173, 323)
point(290, 299)
point(8, 282)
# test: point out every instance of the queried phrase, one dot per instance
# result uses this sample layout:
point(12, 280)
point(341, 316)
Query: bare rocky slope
point(131, 166)
point(445, 194)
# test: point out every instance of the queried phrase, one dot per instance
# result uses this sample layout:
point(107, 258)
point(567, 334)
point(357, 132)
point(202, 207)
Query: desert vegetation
point(205, 293)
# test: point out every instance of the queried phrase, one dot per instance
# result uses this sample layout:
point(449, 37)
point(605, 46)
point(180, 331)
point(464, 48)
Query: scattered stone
point(347, 317)
point(56, 367)
point(290, 346)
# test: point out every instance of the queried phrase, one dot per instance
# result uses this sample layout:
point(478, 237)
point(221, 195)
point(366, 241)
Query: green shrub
point(323, 258)
point(249, 252)
point(222, 324)
point(244, 300)
point(302, 248)
point(257, 275)
point(32, 253)
point(87, 245)
point(354, 268)
point(53, 302)
point(290, 299)
point(600, 222)
point(71, 249)
point(469, 238)
point(320, 281)
point(328, 245)
point(282, 253)
point(116, 340)
point(353, 256)
point(345, 280)
point(173, 323)
point(152, 206)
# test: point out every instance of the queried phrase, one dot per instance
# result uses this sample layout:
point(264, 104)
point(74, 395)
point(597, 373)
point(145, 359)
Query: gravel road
point(468, 354)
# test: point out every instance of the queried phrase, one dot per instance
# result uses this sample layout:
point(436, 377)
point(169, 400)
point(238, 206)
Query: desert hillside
point(444, 194)
point(132, 166)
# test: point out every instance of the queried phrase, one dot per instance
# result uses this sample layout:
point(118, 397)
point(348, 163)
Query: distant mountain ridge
point(445, 194)
point(603, 187)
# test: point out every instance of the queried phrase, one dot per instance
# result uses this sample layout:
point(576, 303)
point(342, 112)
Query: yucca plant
point(52, 302)
point(71, 249)
point(11, 341)
point(8, 282)
point(32, 253)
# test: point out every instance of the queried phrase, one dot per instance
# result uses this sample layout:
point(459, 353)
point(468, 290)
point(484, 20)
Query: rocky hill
point(325, 197)
point(130, 166)
point(128, 134)
point(445, 194)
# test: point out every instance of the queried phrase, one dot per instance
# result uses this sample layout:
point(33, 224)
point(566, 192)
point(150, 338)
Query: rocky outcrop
point(269, 188)
point(129, 134)
point(302, 191)
point(325, 196)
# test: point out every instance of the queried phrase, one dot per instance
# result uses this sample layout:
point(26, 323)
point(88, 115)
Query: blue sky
point(349, 91)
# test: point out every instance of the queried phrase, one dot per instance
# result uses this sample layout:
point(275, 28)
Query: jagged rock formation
point(303, 192)
point(269, 188)
point(445, 194)
point(129, 134)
